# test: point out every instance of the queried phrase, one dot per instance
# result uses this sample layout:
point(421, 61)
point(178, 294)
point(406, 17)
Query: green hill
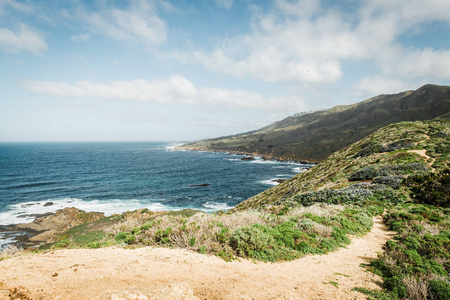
point(386, 156)
point(314, 136)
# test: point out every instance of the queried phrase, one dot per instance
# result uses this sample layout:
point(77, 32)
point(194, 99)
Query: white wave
point(233, 159)
point(4, 241)
point(269, 182)
point(215, 206)
point(174, 146)
point(26, 212)
point(299, 169)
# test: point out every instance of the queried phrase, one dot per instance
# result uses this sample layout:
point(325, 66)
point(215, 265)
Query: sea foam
point(26, 212)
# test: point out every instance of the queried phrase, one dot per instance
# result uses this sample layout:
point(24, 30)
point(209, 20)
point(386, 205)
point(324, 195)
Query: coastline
point(185, 147)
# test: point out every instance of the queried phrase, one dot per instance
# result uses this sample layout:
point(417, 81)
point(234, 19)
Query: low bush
point(393, 181)
point(418, 254)
point(433, 188)
point(357, 194)
point(439, 289)
point(371, 172)
point(375, 147)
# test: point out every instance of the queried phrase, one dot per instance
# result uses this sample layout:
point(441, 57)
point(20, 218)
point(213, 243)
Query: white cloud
point(305, 41)
point(22, 7)
point(227, 4)
point(24, 40)
point(139, 22)
point(409, 12)
point(82, 37)
point(175, 89)
point(421, 63)
point(289, 44)
point(376, 85)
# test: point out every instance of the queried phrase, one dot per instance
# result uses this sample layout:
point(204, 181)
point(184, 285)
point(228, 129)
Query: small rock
point(279, 180)
point(248, 158)
point(54, 274)
point(48, 204)
point(199, 185)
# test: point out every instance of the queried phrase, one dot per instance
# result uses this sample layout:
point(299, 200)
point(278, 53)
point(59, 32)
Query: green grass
point(419, 251)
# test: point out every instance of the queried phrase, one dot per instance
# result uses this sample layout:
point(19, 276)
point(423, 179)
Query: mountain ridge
point(311, 137)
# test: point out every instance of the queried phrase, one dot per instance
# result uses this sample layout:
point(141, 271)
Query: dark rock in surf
point(199, 185)
point(248, 158)
point(279, 180)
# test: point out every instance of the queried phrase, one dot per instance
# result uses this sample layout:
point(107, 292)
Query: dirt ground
point(161, 273)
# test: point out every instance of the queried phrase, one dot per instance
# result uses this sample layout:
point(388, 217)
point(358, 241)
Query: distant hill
point(314, 136)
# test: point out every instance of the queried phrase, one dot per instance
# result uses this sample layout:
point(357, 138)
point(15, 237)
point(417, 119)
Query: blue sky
point(185, 70)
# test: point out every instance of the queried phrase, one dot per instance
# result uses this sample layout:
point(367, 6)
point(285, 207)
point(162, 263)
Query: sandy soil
point(424, 154)
point(158, 273)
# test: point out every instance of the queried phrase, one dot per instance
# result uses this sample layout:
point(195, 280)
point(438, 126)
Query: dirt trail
point(158, 273)
point(424, 154)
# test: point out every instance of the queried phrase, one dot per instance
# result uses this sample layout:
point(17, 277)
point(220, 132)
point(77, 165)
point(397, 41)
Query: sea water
point(38, 178)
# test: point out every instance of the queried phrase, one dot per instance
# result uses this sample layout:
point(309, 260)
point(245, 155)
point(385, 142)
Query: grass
point(256, 235)
point(418, 258)
point(317, 229)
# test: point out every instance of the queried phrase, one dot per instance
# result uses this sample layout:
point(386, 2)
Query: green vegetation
point(430, 188)
point(255, 235)
point(371, 172)
point(416, 263)
point(342, 169)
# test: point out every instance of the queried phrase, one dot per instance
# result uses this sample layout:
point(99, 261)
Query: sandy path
point(423, 153)
point(157, 273)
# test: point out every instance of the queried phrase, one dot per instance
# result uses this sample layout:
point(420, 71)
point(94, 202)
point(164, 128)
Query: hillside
point(415, 146)
point(314, 136)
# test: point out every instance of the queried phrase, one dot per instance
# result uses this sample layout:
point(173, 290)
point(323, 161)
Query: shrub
point(62, 244)
point(439, 289)
point(250, 241)
point(417, 257)
point(431, 188)
point(121, 236)
point(371, 172)
point(375, 147)
point(357, 194)
point(393, 181)
point(371, 148)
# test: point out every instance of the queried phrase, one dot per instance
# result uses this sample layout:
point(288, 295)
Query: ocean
point(38, 178)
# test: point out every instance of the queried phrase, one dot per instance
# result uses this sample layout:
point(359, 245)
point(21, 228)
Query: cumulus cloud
point(421, 63)
point(25, 39)
point(22, 7)
point(380, 85)
point(82, 37)
point(175, 89)
point(227, 4)
point(305, 41)
point(139, 22)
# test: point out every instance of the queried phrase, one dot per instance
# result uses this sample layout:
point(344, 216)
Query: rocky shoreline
point(46, 228)
point(250, 154)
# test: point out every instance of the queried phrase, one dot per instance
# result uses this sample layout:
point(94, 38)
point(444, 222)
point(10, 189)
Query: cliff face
point(314, 136)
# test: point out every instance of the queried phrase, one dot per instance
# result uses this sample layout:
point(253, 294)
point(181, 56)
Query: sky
point(183, 70)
